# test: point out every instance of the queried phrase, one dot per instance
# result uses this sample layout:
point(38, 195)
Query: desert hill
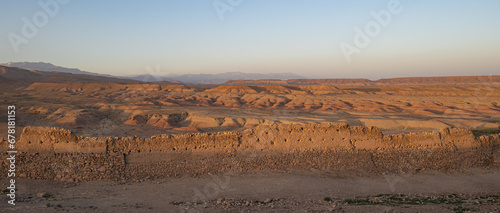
point(358, 81)
point(4, 80)
point(441, 80)
point(366, 82)
point(160, 79)
point(151, 107)
point(41, 66)
point(19, 75)
point(394, 105)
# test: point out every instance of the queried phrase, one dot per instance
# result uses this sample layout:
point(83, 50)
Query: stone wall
point(54, 153)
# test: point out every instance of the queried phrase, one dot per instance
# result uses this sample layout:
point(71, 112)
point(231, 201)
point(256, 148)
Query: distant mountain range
point(28, 72)
point(41, 66)
point(186, 78)
point(22, 76)
point(214, 78)
point(223, 77)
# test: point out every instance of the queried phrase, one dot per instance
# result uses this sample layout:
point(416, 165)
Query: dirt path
point(269, 191)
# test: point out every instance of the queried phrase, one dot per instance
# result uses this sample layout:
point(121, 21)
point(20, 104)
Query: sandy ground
point(269, 191)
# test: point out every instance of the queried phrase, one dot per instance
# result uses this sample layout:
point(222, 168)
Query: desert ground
point(393, 145)
point(474, 190)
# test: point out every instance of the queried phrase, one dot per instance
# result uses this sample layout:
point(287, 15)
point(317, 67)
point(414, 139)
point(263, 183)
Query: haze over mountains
point(29, 72)
point(170, 78)
point(214, 78)
point(41, 66)
point(19, 75)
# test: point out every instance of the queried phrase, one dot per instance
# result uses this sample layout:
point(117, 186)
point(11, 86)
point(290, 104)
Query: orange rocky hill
point(119, 109)
point(418, 99)
point(143, 107)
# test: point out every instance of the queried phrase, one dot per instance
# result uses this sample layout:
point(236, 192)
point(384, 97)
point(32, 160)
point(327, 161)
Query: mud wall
point(53, 153)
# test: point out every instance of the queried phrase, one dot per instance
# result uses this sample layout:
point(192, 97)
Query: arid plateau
point(102, 144)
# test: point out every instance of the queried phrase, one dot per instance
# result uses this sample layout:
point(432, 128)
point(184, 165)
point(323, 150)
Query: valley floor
point(269, 191)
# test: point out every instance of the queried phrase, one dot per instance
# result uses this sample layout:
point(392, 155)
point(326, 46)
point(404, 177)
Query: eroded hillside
point(110, 109)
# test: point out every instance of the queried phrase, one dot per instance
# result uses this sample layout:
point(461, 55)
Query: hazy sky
point(421, 38)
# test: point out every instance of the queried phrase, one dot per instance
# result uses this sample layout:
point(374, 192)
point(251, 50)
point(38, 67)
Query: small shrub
point(176, 203)
point(479, 132)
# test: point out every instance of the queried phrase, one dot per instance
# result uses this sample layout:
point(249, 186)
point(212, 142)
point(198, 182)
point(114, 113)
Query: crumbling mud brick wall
point(57, 154)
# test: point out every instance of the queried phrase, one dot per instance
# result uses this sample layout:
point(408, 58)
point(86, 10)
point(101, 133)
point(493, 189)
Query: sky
point(315, 38)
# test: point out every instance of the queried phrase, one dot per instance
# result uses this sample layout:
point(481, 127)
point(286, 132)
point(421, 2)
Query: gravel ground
point(476, 190)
